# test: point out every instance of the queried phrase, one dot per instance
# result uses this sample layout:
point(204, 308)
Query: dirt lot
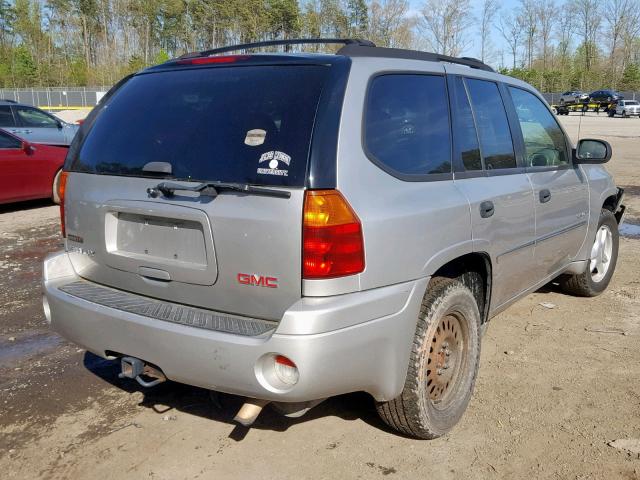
point(556, 386)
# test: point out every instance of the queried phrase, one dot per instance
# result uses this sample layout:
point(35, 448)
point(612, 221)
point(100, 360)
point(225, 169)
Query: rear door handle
point(545, 196)
point(486, 209)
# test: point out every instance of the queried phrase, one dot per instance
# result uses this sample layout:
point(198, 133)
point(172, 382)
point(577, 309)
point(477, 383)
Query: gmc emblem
point(257, 280)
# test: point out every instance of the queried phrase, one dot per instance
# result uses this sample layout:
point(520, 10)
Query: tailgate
point(234, 253)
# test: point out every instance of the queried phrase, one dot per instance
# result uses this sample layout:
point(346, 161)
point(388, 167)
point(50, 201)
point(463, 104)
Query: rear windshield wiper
point(211, 189)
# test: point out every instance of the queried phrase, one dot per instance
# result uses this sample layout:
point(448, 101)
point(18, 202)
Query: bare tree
point(546, 12)
point(565, 28)
point(445, 23)
point(621, 17)
point(488, 10)
point(588, 19)
point(528, 14)
point(510, 27)
point(389, 23)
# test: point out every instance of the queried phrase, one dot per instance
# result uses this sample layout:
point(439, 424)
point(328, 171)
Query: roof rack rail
point(355, 50)
point(272, 43)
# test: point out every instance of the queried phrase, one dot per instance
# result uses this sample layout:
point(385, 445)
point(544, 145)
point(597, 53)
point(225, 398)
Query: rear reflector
point(208, 60)
point(286, 370)
point(332, 243)
point(62, 188)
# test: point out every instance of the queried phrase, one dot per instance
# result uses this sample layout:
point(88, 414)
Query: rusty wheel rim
point(447, 355)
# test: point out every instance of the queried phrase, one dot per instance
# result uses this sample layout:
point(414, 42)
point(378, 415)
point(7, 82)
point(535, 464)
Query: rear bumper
point(354, 342)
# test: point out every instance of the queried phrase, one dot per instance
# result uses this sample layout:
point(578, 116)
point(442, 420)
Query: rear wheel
point(54, 188)
point(443, 365)
point(602, 262)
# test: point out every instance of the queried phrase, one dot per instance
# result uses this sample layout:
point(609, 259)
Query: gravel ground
point(556, 387)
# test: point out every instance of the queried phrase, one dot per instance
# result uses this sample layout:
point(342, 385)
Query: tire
point(611, 113)
point(433, 400)
point(624, 114)
point(54, 188)
point(594, 281)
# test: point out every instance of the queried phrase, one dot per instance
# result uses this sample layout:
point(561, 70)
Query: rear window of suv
point(248, 124)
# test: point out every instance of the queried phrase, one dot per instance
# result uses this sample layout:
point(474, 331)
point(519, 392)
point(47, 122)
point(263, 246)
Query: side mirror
point(592, 151)
point(28, 148)
point(60, 124)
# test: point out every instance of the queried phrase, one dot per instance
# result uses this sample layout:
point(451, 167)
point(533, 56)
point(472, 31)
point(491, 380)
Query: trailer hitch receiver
point(134, 368)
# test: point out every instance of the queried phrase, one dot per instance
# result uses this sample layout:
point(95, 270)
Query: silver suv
point(289, 227)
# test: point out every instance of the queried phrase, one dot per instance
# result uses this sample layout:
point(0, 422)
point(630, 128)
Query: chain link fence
point(59, 98)
point(55, 97)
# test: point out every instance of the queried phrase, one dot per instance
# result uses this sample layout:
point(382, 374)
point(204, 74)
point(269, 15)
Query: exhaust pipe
point(250, 411)
point(132, 367)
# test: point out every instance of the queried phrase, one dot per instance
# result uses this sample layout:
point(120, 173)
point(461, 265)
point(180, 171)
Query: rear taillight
point(332, 243)
point(62, 187)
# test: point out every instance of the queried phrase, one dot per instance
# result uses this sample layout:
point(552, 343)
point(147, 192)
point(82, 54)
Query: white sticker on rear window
point(255, 137)
point(278, 163)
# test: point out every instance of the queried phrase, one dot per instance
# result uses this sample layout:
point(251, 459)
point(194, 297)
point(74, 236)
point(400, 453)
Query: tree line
point(555, 45)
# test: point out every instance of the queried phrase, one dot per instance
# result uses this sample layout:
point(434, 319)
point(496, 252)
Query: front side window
point(7, 141)
point(31, 117)
point(406, 128)
point(492, 123)
point(544, 141)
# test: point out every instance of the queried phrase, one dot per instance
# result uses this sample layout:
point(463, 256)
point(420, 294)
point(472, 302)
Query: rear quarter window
point(406, 125)
point(249, 124)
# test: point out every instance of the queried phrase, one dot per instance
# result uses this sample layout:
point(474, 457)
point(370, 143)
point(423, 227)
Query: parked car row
point(33, 147)
point(599, 96)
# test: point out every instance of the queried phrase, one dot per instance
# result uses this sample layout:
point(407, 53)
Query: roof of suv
point(351, 48)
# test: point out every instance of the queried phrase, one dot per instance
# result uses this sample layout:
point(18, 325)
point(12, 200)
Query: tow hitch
point(134, 368)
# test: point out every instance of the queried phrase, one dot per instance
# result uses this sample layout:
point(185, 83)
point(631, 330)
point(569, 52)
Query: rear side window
point(406, 127)
point(544, 141)
point(465, 135)
point(230, 124)
point(6, 117)
point(493, 127)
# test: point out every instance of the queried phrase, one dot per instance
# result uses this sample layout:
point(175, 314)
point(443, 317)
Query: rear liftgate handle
point(487, 209)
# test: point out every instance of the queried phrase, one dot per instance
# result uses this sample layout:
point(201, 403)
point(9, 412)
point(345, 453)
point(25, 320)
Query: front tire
point(443, 366)
point(602, 262)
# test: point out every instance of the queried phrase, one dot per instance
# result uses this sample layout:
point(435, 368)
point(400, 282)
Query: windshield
point(231, 124)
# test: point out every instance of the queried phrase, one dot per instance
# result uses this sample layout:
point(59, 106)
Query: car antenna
point(579, 125)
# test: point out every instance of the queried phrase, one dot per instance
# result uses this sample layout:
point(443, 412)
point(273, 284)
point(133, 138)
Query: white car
point(626, 108)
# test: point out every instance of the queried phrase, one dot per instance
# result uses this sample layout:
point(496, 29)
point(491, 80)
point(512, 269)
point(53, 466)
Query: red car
point(28, 170)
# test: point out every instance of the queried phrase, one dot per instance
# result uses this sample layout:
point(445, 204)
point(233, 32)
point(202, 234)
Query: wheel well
point(610, 203)
point(474, 270)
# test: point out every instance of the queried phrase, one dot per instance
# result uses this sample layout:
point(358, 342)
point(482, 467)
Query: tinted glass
point(493, 127)
point(544, 142)
point(464, 128)
point(6, 117)
point(30, 117)
point(7, 141)
point(230, 124)
point(407, 124)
